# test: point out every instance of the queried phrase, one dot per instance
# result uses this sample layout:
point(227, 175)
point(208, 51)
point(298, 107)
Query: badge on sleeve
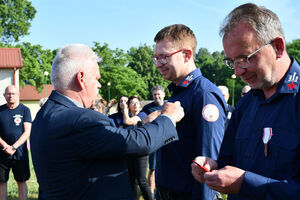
point(210, 112)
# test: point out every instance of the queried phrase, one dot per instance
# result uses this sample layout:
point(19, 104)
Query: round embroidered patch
point(210, 112)
point(17, 121)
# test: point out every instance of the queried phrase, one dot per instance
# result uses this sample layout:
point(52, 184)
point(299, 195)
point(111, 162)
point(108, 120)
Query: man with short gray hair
point(78, 153)
point(260, 154)
point(225, 91)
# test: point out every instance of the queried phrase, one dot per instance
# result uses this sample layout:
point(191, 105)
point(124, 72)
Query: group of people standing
point(130, 115)
point(78, 153)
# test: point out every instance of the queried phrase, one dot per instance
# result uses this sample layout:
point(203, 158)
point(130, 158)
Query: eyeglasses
point(164, 59)
point(243, 61)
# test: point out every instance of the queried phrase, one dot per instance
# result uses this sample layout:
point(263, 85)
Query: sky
point(131, 23)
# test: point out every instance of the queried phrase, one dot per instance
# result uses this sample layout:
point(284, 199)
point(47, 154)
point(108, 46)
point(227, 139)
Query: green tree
point(213, 68)
point(140, 60)
point(124, 81)
point(36, 61)
point(113, 69)
point(293, 49)
point(110, 57)
point(15, 19)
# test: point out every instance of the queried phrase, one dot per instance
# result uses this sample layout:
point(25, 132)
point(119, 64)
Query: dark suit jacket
point(78, 153)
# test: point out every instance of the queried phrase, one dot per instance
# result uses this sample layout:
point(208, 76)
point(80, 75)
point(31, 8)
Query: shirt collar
point(187, 80)
point(75, 102)
point(290, 83)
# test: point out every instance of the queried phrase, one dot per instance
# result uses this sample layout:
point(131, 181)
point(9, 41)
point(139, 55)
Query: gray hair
point(224, 89)
point(68, 61)
point(158, 87)
point(263, 21)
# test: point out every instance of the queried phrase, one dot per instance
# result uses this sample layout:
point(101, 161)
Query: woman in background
point(118, 117)
point(137, 166)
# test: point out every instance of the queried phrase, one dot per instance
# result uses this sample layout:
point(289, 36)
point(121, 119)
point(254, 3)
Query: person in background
point(99, 105)
point(137, 166)
point(43, 101)
point(78, 153)
point(201, 130)
point(118, 116)
point(158, 94)
point(260, 153)
point(245, 90)
point(224, 90)
point(15, 127)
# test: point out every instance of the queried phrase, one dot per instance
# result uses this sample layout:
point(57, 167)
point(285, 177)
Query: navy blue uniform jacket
point(275, 175)
point(78, 153)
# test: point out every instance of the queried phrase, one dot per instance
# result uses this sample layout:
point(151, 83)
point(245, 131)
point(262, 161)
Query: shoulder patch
point(210, 112)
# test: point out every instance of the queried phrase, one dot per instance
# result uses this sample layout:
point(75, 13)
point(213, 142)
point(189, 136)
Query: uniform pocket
point(284, 146)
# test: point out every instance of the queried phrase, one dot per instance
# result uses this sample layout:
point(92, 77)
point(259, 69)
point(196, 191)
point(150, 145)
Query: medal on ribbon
point(268, 133)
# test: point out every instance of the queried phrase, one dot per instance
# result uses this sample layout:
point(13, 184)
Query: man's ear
point(279, 46)
point(80, 79)
point(188, 54)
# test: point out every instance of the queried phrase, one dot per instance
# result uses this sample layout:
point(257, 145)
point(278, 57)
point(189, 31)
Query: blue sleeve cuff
point(174, 123)
point(254, 185)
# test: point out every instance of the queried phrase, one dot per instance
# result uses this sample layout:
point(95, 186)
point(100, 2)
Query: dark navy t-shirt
point(151, 107)
point(11, 128)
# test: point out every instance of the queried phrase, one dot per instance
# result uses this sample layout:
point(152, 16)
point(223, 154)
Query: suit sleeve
point(209, 118)
point(97, 138)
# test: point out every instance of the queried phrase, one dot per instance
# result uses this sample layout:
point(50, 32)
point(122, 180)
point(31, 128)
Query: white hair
point(68, 61)
point(223, 89)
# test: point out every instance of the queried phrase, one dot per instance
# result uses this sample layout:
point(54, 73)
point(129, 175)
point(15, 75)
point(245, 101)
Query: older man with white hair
point(78, 153)
point(225, 91)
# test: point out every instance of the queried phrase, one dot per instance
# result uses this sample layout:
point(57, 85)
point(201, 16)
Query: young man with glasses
point(259, 157)
point(201, 131)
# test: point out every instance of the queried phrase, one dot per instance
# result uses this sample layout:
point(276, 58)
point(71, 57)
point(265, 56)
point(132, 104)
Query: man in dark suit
point(78, 153)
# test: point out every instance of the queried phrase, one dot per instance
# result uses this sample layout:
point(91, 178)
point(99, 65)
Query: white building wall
point(6, 79)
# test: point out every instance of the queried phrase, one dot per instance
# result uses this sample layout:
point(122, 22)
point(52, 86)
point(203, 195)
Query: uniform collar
point(290, 83)
point(187, 80)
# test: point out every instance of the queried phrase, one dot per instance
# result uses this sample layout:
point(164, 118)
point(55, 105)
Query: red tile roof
point(30, 93)
point(10, 58)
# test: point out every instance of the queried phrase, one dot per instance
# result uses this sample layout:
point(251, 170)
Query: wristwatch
point(14, 148)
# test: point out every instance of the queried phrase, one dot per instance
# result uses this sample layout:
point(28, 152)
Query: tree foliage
point(15, 19)
point(124, 81)
point(293, 49)
point(213, 68)
point(140, 60)
point(113, 69)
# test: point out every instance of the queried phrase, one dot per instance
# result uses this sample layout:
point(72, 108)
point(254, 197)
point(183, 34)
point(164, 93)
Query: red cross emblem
point(185, 82)
point(291, 85)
